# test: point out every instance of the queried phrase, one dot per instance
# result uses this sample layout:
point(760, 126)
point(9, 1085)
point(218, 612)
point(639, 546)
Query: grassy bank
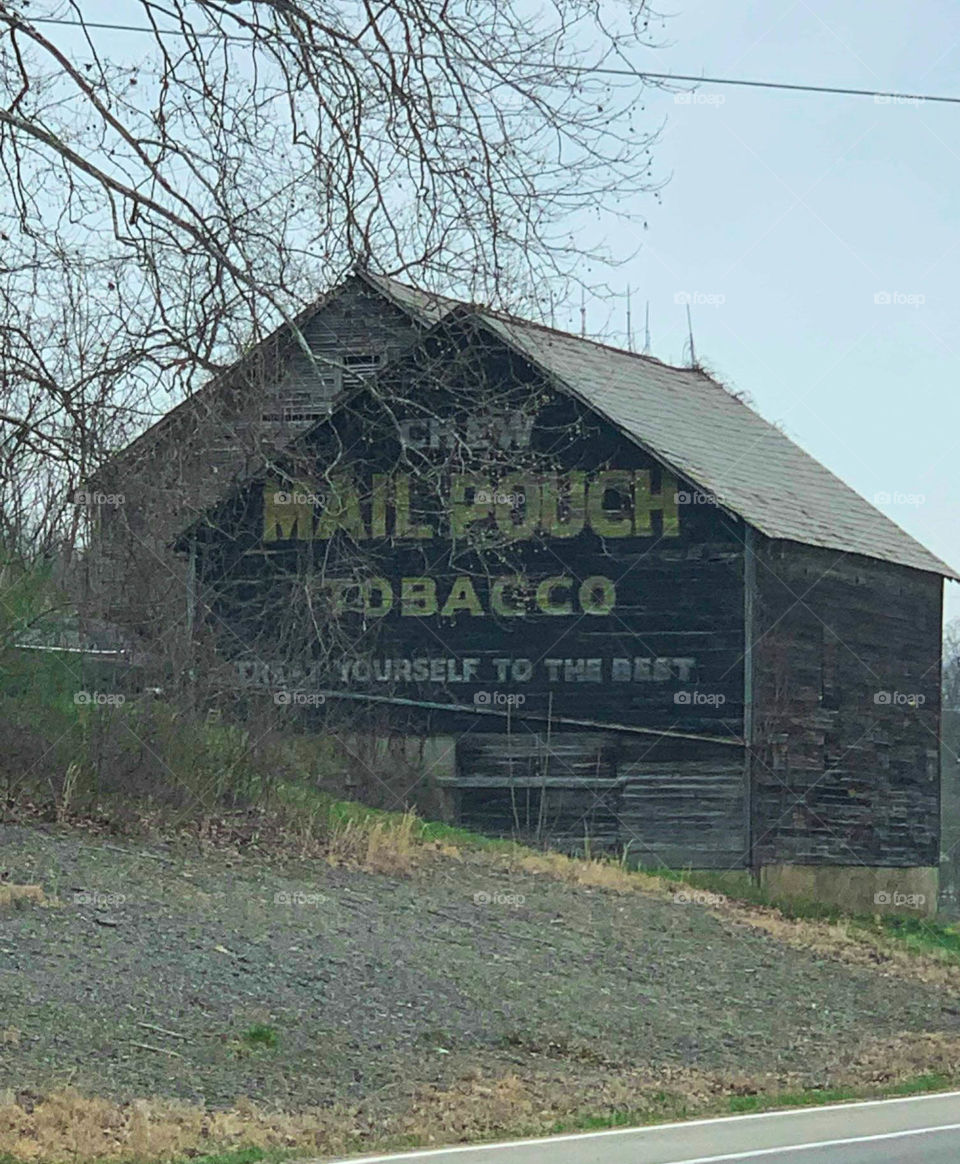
point(918, 935)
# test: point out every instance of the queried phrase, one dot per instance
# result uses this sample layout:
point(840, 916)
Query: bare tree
point(164, 210)
point(951, 666)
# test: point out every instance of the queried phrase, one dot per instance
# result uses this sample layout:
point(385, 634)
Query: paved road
point(921, 1130)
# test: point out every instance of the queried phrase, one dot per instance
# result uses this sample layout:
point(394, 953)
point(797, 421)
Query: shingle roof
point(424, 305)
point(720, 444)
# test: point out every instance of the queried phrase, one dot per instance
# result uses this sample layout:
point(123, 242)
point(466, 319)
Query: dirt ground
point(159, 965)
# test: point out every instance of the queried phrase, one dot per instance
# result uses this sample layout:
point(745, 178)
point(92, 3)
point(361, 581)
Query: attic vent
point(361, 363)
point(292, 414)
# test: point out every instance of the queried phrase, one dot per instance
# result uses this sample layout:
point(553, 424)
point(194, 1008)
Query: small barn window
point(362, 363)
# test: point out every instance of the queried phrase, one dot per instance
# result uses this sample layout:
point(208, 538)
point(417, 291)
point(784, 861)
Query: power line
point(842, 90)
point(600, 70)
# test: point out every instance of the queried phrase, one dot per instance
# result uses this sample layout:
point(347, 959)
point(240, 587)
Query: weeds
point(261, 1035)
point(16, 896)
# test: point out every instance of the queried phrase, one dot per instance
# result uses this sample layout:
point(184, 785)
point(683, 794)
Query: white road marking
point(425, 1153)
point(820, 1144)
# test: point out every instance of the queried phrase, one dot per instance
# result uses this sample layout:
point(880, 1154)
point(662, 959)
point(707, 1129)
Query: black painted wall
point(668, 655)
point(847, 709)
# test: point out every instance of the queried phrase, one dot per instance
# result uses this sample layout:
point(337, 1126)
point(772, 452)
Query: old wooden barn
point(614, 600)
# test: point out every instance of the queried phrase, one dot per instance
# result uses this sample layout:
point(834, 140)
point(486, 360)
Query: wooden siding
point(846, 717)
point(559, 790)
point(674, 812)
point(665, 655)
point(684, 813)
point(201, 450)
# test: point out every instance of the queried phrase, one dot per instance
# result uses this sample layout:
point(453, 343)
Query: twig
point(159, 1050)
point(130, 853)
point(162, 1030)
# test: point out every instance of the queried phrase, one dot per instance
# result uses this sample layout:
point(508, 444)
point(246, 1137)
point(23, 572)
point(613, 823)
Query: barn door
point(685, 814)
point(559, 790)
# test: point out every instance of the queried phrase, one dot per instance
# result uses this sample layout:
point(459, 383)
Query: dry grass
point(14, 896)
point(68, 1125)
point(477, 1106)
point(377, 845)
point(595, 873)
point(845, 943)
point(885, 1061)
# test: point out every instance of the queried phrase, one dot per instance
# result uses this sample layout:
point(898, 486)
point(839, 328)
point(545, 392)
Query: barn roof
point(702, 431)
point(692, 424)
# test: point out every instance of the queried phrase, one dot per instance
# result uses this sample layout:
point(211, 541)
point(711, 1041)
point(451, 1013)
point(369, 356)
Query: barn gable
point(680, 415)
point(705, 433)
point(418, 476)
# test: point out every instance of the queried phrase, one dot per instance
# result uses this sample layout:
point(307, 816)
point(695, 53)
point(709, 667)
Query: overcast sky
point(816, 236)
point(794, 218)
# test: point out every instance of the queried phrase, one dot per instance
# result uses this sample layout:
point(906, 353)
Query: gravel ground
point(372, 982)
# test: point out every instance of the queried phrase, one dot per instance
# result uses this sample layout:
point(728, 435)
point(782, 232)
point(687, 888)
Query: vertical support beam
point(191, 598)
point(749, 634)
point(191, 586)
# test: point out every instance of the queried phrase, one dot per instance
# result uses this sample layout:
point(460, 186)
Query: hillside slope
point(170, 973)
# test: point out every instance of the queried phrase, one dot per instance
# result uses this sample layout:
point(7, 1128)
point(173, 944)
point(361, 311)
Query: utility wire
point(599, 70)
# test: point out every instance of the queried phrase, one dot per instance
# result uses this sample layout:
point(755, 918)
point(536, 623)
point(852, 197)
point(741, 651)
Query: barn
point(609, 598)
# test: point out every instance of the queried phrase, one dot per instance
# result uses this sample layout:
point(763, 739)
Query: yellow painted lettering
point(378, 505)
point(604, 522)
point(287, 512)
point(645, 503)
point(377, 597)
point(403, 527)
point(598, 595)
point(418, 596)
point(341, 511)
point(462, 596)
point(345, 594)
point(545, 595)
point(498, 603)
point(563, 504)
point(517, 495)
point(464, 512)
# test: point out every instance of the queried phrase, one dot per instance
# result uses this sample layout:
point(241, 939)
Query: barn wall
point(202, 449)
point(846, 675)
point(639, 629)
point(544, 701)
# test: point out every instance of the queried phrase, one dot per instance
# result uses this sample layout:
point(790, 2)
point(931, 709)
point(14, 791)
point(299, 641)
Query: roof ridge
point(506, 316)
